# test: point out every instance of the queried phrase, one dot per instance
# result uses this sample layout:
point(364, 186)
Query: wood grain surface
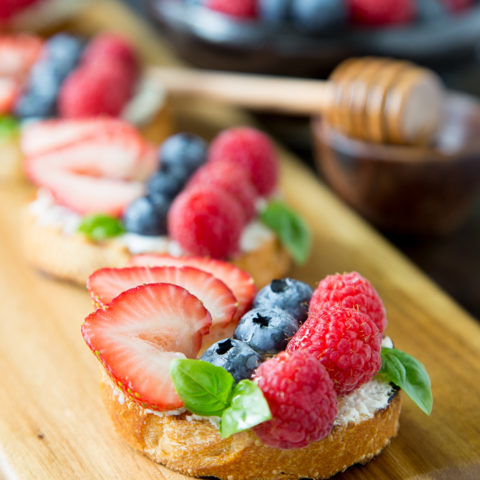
point(52, 423)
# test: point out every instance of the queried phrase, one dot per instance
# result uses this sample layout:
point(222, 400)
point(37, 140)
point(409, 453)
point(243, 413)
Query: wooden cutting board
point(52, 423)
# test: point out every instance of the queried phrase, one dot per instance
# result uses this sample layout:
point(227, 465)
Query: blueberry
point(234, 356)
point(319, 16)
point(288, 294)
point(59, 57)
point(431, 10)
point(146, 216)
point(167, 181)
point(275, 11)
point(266, 330)
point(184, 150)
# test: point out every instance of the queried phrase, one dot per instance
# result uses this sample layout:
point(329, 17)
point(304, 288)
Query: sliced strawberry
point(239, 282)
point(17, 55)
point(8, 94)
point(106, 284)
point(98, 147)
point(140, 333)
point(84, 194)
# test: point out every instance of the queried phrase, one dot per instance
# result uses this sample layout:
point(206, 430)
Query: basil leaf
point(248, 408)
point(292, 231)
point(9, 126)
point(205, 389)
point(99, 226)
point(409, 374)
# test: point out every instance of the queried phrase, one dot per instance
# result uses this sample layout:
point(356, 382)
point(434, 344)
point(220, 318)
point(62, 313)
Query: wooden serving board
point(52, 422)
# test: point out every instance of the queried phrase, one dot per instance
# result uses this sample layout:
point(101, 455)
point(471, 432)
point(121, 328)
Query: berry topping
point(206, 221)
point(253, 151)
point(17, 54)
point(238, 281)
point(234, 356)
point(319, 16)
point(274, 11)
point(140, 333)
point(8, 8)
point(106, 284)
point(301, 397)
point(380, 13)
point(108, 47)
point(147, 216)
point(167, 182)
point(95, 173)
point(290, 295)
point(241, 9)
point(350, 290)
point(92, 91)
point(104, 82)
point(266, 330)
point(58, 58)
point(185, 151)
point(233, 179)
point(346, 341)
point(457, 5)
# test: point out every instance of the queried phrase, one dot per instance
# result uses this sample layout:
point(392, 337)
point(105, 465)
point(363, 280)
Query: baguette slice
point(192, 446)
point(74, 257)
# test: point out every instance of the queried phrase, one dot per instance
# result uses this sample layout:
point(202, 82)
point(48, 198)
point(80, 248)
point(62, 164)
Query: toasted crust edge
point(193, 447)
point(74, 257)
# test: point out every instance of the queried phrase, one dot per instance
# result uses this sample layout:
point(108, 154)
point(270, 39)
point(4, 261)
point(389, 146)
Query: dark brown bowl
point(412, 190)
point(208, 39)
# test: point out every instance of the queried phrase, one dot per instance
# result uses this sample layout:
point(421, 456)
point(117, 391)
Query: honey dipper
point(374, 99)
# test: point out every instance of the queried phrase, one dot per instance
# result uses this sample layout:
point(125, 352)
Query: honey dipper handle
point(290, 95)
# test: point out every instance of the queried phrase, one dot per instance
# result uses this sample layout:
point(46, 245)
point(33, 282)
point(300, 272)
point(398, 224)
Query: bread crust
point(75, 257)
point(193, 447)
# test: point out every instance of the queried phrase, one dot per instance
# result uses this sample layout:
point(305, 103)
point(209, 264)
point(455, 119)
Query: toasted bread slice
point(74, 257)
point(192, 445)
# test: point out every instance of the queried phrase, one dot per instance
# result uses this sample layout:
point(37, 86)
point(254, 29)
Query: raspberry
point(350, 290)
point(457, 5)
point(235, 8)
point(346, 341)
point(206, 221)
point(8, 8)
point(109, 47)
point(102, 88)
point(233, 179)
point(301, 397)
point(381, 12)
point(253, 151)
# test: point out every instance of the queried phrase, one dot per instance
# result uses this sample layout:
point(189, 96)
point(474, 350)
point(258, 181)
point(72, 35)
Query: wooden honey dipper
point(373, 99)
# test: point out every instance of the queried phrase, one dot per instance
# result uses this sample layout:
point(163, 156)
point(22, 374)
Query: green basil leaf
point(205, 389)
point(99, 226)
point(9, 126)
point(292, 231)
point(409, 374)
point(247, 409)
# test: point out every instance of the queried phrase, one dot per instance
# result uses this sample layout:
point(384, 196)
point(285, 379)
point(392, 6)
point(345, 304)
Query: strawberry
point(8, 94)
point(106, 284)
point(239, 282)
point(82, 193)
point(101, 146)
point(140, 333)
point(17, 55)
point(94, 169)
